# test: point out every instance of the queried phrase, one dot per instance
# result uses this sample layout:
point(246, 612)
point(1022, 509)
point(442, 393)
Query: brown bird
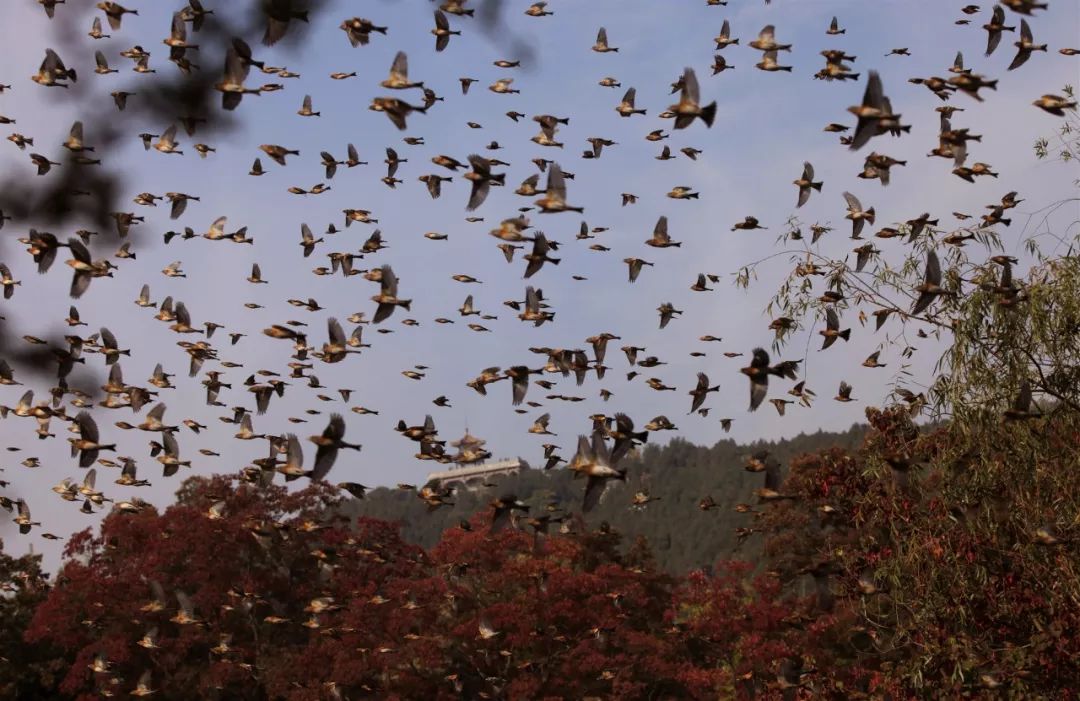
point(626, 107)
point(387, 299)
point(930, 289)
point(766, 40)
point(231, 85)
point(52, 71)
point(359, 30)
point(806, 183)
point(773, 482)
point(114, 12)
point(994, 28)
point(758, 372)
point(747, 224)
point(601, 45)
point(554, 199)
point(442, 31)
point(875, 114)
point(857, 214)
point(1055, 104)
point(1021, 408)
point(329, 442)
point(278, 153)
point(481, 178)
point(1025, 46)
point(832, 329)
point(399, 74)
point(396, 110)
point(701, 391)
point(689, 106)
point(667, 313)
point(660, 237)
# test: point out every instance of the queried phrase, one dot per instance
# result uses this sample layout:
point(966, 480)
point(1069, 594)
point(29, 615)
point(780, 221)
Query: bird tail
point(71, 74)
point(404, 304)
point(816, 186)
point(869, 215)
point(845, 334)
point(708, 114)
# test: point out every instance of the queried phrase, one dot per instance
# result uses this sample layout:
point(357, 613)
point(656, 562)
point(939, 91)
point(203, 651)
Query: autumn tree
point(214, 595)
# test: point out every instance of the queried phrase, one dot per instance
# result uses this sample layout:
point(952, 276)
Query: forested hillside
point(678, 475)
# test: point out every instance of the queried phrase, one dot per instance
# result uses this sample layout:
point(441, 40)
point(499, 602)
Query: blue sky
point(767, 125)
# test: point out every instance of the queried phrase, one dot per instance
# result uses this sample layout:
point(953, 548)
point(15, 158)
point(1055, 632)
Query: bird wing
point(690, 92)
point(336, 333)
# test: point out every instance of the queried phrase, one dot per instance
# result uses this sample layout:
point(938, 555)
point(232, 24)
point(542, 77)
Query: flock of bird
point(599, 451)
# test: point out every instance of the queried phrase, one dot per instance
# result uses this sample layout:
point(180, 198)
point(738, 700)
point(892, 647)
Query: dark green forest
point(677, 475)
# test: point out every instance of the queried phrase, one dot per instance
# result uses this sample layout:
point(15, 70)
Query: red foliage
point(870, 592)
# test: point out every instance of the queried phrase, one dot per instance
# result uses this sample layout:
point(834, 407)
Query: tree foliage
point(26, 671)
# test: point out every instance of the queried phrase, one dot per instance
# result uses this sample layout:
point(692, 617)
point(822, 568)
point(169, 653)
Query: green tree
point(27, 671)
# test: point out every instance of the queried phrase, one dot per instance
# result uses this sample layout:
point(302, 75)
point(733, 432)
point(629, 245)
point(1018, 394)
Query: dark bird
point(481, 178)
point(832, 329)
point(442, 31)
point(875, 114)
point(387, 298)
point(758, 372)
point(1022, 406)
point(701, 391)
point(396, 110)
point(1025, 46)
point(930, 289)
point(231, 85)
point(539, 255)
point(502, 509)
point(773, 482)
point(806, 183)
point(359, 30)
point(994, 28)
point(330, 442)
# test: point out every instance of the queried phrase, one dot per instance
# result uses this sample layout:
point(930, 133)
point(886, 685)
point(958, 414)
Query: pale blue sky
point(766, 126)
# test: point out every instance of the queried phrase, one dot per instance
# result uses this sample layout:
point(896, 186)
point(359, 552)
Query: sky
point(766, 126)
